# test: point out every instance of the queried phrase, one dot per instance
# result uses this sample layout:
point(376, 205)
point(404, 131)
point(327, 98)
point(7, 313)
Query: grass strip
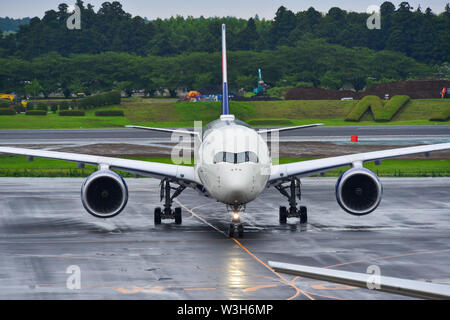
point(19, 166)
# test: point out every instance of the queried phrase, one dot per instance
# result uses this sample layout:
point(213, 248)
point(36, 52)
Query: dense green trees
point(114, 50)
point(10, 24)
point(309, 61)
point(418, 33)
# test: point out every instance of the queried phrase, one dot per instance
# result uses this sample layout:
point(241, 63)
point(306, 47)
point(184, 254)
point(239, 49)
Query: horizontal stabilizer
point(186, 132)
point(289, 128)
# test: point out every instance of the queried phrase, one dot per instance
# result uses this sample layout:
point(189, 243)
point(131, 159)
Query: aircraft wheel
point(303, 214)
point(231, 230)
point(157, 215)
point(241, 231)
point(177, 215)
point(283, 215)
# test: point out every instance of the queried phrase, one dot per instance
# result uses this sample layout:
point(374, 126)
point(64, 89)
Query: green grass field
point(170, 114)
point(19, 166)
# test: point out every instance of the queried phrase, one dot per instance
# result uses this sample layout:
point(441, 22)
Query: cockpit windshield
point(236, 158)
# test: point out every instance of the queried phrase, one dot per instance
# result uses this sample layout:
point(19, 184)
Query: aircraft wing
point(186, 132)
point(412, 288)
point(311, 167)
point(144, 168)
point(263, 131)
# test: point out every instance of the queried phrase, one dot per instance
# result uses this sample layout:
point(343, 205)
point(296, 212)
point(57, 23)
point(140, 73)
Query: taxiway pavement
point(44, 230)
point(392, 135)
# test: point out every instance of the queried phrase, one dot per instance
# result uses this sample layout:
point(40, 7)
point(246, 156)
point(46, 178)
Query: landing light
point(236, 216)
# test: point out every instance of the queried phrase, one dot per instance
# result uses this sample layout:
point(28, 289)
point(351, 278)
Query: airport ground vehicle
point(261, 89)
point(7, 96)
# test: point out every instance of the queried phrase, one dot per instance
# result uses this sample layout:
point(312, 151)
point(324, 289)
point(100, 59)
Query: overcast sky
point(208, 8)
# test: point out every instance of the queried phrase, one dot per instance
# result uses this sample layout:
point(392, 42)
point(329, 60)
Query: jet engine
point(104, 194)
point(358, 191)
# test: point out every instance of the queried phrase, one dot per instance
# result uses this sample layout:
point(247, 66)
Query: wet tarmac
point(44, 230)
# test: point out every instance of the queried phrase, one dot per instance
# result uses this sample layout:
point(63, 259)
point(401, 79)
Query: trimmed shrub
point(380, 113)
point(109, 113)
point(372, 102)
point(36, 113)
point(75, 113)
point(41, 106)
point(7, 112)
point(100, 100)
point(19, 108)
point(64, 105)
point(390, 108)
point(441, 115)
point(4, 103)
point(53, 106)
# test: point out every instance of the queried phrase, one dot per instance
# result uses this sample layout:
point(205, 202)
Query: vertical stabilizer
point(225, 106)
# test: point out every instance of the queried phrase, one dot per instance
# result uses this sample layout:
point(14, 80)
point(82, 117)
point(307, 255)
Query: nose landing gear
point(167, 212)
point(292, 191)
point(236, 225)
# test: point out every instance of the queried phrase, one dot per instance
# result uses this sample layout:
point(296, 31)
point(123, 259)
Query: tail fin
point(225, 106)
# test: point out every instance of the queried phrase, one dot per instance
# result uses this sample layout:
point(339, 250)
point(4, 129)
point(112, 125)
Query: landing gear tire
point(157, 215)
point(240, 231)
point(283, 215)
point(177, 215)
point(303, 214)
point(231, 230)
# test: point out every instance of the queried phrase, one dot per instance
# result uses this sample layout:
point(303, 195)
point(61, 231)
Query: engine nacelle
point(358, 191)
point(104, 194)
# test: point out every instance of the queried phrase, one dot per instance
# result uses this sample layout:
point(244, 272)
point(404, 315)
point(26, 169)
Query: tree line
point(416, 32)
point(312, 62)
point(11, 24)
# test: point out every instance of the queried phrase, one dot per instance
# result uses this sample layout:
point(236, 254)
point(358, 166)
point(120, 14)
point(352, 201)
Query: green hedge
point(7, 112)
point(99, 100)
point(36, 113)
point(64, 105)
point(443, 114)
point(76, 113)
point(4, 103)
point(361, 107)
point(390, 108)
point(109, 113)
point(380, 113)
point(19, 108)
point(41, 106)
point(53, 106)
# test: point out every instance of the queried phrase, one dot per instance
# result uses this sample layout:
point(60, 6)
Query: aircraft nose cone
point(238, 195)
point(237, 188)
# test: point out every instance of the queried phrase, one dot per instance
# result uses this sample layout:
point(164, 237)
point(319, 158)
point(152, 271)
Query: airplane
point(233, 166)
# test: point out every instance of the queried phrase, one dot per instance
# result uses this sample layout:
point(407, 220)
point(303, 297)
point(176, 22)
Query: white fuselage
point(233, 162)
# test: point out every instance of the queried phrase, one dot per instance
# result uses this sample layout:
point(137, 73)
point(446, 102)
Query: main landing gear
point(236, 225)
point(292, 190)
point(167, 212)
